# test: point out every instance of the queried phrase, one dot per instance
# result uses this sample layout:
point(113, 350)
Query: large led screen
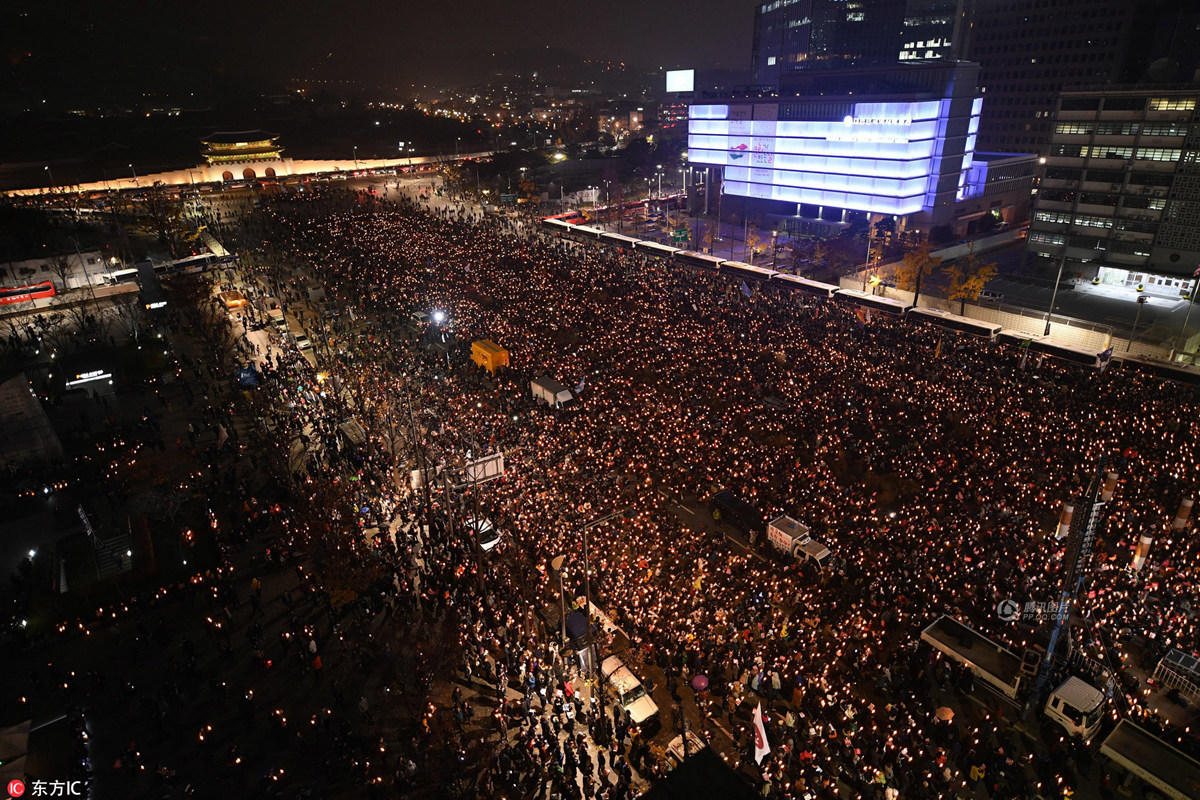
point(681, 80)
point(882, 158)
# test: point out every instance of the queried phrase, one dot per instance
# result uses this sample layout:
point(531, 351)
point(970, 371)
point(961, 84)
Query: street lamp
point(355, 157)
point(457, 140)
point(1141, 301)
point(51, 174)
point(135, 177)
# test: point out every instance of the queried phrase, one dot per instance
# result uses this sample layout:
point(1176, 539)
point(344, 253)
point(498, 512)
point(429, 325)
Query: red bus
point(22, 294)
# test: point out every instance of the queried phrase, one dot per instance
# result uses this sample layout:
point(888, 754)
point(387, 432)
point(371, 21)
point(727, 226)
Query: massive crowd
point(934, 467)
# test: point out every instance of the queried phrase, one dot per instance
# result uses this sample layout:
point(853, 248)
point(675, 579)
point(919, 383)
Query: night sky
point(60, 45)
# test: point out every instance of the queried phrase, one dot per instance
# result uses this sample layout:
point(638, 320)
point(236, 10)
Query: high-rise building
point(1119, 202)
point(1028, 50)
point(792, 35)
point(934, 29)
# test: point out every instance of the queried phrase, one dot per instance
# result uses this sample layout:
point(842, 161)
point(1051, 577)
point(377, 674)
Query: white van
point(628, 691)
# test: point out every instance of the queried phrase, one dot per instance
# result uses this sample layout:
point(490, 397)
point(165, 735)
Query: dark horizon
point(69, 49)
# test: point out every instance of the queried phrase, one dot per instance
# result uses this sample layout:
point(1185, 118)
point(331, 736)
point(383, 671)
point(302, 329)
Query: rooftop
point(237, 137)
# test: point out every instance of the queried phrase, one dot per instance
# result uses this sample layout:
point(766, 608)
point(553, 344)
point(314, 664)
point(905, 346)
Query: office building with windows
point(794, 35)
point(1028, 50)
point(1119, 202)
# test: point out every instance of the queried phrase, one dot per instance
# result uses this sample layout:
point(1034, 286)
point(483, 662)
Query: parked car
point(629, 693)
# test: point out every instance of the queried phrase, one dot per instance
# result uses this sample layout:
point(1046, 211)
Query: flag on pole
point(937, 351)
point(745, 289)
point(761, 748)
point(1105, 358)
point(862, 318)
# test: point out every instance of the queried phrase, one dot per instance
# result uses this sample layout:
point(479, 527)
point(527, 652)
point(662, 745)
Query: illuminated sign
point(90, 377)
point(878, 120)
point(156, 304)
point(681, 80)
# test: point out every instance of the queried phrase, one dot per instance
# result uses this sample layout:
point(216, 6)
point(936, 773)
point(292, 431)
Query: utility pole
point(867, 263)
point(1054, 295)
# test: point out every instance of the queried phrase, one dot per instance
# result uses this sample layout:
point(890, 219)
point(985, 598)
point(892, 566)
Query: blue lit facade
point(881, 156)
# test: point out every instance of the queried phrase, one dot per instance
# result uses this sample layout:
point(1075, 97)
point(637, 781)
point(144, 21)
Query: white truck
point(1075, 705)
point(793, 538)
point(549, 391)
point(1142, 754)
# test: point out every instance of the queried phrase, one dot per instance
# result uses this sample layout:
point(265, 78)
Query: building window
point(1164, 129)
point(1172, 104)
point(1158, 153)
point(1106, 151)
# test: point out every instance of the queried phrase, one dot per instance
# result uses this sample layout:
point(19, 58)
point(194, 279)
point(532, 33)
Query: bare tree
point(60, 266)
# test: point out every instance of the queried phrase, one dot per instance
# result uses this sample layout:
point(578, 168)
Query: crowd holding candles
point(935, 466)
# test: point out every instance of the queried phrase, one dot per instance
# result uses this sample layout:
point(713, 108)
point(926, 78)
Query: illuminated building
point(1119, 200)
point(905, 153)
point(238, 147)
